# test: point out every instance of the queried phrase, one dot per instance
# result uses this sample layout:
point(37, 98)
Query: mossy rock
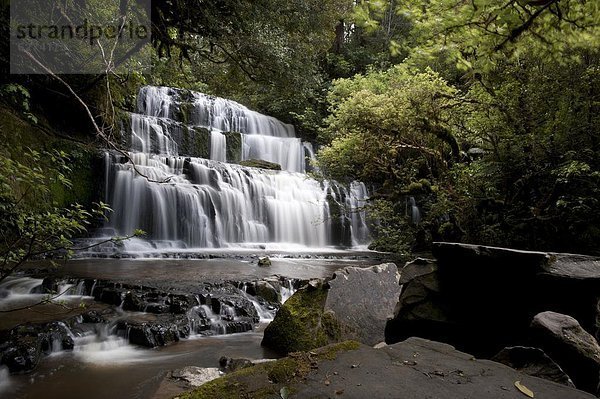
point(234, 147)
point(183, 112)
point(199, 142)
point(268, 380)
point(301, 324)
point(85, 163)
point(86, 176)
point(261, 164)
point(264, 262)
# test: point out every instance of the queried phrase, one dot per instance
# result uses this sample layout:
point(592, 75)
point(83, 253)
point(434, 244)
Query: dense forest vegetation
point(485, 114)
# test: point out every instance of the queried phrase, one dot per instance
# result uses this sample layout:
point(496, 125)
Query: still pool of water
point(126, 371)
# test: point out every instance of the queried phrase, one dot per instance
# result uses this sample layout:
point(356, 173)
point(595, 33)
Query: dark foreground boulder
point(571, 346)
point(415, 368)
point(482, 299)
point(533, 361)
point(355, 304)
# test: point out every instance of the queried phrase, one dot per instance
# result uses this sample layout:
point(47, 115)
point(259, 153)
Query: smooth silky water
point(195, 195)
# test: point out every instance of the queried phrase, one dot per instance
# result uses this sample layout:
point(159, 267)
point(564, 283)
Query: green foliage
point(525, 102)
point(18, 97)
point(538, 122)
point(264, 54)
point(480, 33)
point(385, 127)
point(31, 224)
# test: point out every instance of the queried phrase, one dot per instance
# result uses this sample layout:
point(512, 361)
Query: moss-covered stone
point(267, 380)
point(85, 175)
point(261, 164)
point(183, 112)
point(202, 142)
point(301, 324)
point(234, 147)
point(85, 163)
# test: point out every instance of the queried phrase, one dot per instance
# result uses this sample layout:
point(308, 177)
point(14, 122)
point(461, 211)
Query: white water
point(104, 347)
point(16, 292)
point(287, 152)
point(204, 203)
point(4, 379)
point(218, 146)
point(287, 292)
point(18, 286)
point(265, 315)
point(210, 112)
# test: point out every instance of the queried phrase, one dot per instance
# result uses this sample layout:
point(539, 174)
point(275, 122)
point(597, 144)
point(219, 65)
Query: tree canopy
point(483, 114)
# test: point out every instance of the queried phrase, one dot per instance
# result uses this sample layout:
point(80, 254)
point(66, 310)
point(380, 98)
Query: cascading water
point(191, 197)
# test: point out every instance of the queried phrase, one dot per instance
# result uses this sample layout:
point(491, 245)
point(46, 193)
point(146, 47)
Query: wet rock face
point(159, 332)
point(155, 316)
point(180, 314)
point(267, 291)
point(23, 347)
point(229, 365)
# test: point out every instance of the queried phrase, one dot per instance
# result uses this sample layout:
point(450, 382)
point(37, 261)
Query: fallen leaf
point(524, 390)
point(339, 392)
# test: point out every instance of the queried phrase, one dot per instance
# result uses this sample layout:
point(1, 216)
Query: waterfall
point(184, 139)
point(413, 211)
point(218, 146)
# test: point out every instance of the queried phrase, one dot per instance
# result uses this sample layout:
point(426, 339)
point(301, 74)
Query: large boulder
point(415, 368)
point(301, 323)
point(355, 304)
point(482, 299)
point(575, 350)
point(363, 300)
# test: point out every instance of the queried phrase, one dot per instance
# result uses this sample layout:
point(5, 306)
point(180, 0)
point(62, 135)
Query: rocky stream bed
point(471, 321)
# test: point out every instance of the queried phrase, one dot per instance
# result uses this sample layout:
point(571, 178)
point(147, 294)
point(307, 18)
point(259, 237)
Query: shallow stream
point(106, 366)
